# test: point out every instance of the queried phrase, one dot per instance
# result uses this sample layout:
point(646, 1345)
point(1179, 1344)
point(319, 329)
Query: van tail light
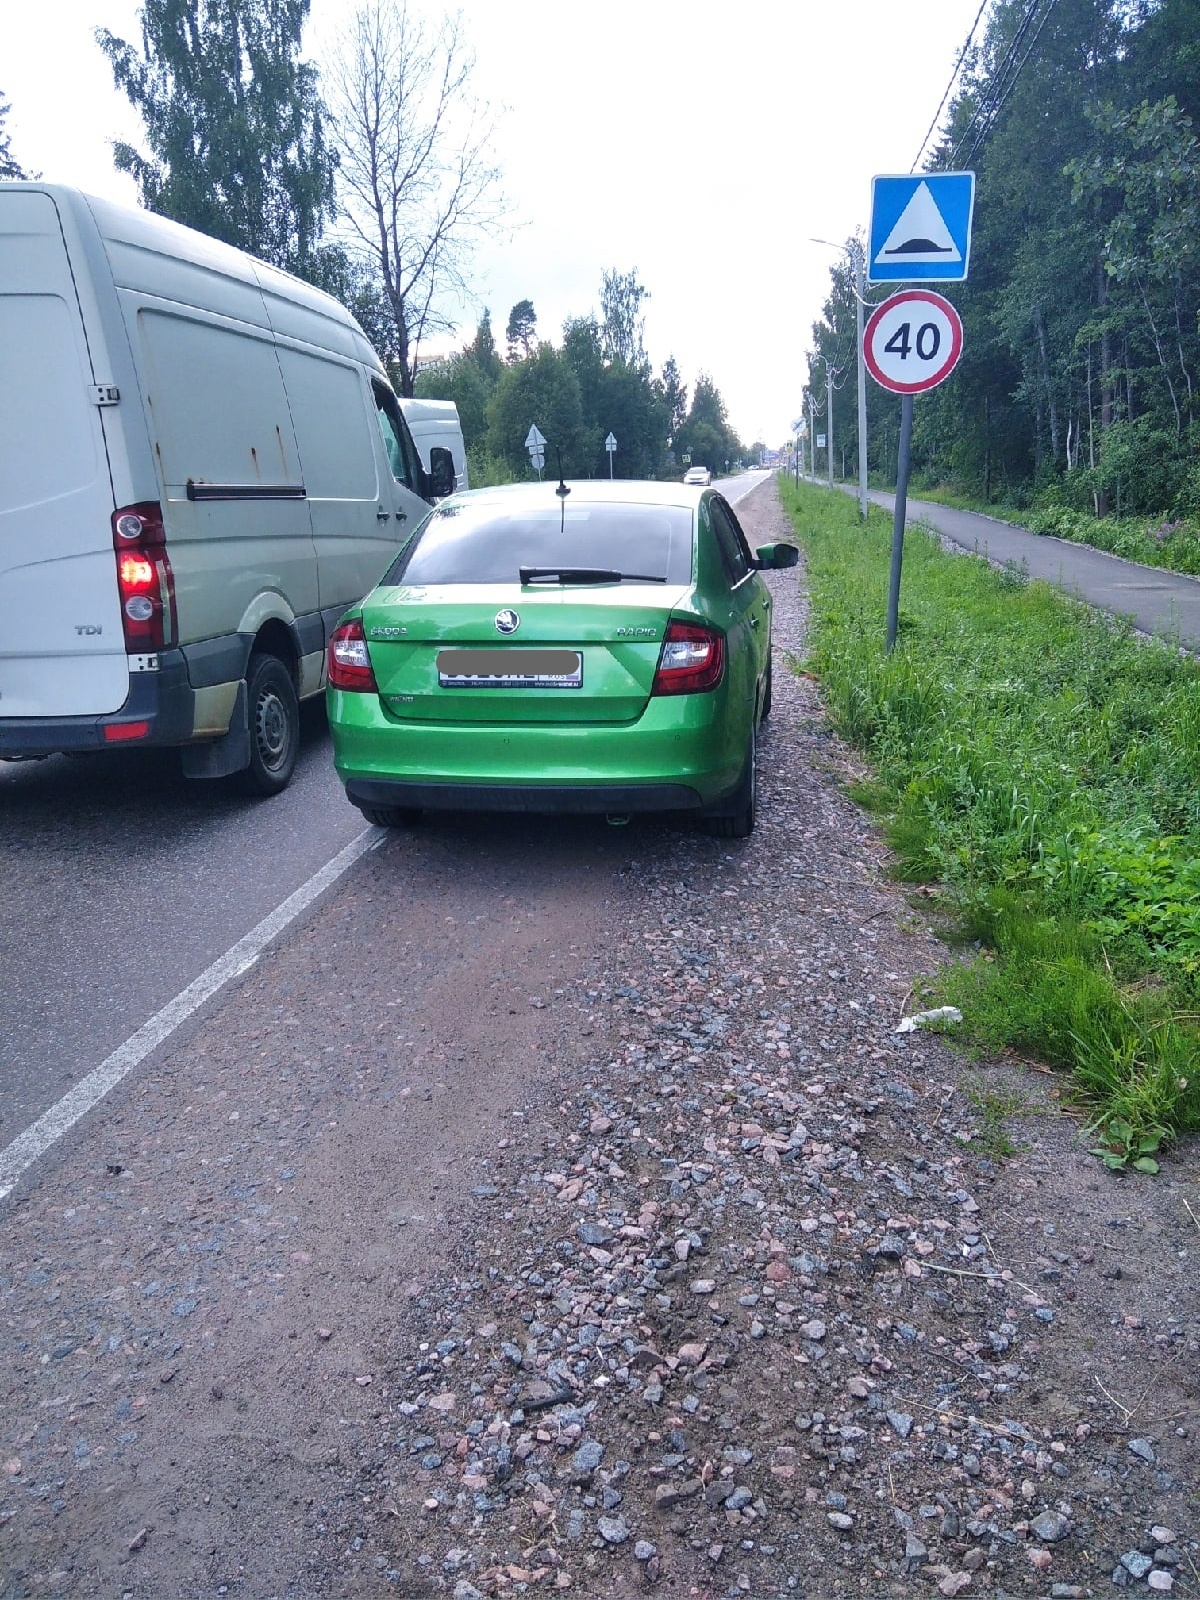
point(349, 663)
point(144, 578)
point(692, 659)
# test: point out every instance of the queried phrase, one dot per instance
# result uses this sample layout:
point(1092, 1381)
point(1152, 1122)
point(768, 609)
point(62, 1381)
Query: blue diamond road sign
point(921, 227)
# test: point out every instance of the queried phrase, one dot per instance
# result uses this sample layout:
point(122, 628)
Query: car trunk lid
point(517, 653)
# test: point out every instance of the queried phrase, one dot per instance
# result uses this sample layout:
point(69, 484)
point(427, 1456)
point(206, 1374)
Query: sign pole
point(535, 443)
point(893, 609)
point(920, 230)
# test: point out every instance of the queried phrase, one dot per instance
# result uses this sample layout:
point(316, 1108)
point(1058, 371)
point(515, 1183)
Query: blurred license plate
point(510, 669)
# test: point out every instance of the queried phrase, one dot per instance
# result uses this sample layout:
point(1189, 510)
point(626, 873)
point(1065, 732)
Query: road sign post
point(921, 227)
point(610, 445)
point(898, 520)
point(912, 343)
point(535, 443)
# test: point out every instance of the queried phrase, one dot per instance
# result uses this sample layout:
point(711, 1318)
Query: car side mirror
point(775, 557)
point(441, 476)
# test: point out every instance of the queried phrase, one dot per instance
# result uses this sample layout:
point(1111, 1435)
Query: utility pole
point(829, 419)
point(857, 252)
point(812, 440)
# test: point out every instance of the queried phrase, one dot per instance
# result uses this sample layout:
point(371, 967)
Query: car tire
point(739, 823)
point(274, 713)
point(391, 816)
point(766, 699)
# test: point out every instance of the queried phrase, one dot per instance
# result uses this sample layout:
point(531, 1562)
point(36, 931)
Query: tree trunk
point(987, 448)
point(1039, 323)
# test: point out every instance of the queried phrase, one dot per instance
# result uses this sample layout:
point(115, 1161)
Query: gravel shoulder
point(559, 1211)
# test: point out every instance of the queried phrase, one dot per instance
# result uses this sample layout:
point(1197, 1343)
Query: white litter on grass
point(943, 1016)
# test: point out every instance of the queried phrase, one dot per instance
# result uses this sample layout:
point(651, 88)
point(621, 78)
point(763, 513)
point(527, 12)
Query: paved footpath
point(1164, 603)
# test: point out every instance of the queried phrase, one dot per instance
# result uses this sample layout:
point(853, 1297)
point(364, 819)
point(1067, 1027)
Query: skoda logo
point(507, 621)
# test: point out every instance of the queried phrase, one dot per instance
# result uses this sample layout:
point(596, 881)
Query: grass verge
point(1042, 764)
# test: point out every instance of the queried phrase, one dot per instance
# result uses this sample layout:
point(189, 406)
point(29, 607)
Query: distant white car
point(699, 475)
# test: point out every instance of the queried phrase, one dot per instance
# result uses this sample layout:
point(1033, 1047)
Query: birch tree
point(419, 182)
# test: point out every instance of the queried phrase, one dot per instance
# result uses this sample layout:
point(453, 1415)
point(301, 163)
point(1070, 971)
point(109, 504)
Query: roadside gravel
point(727, 1287)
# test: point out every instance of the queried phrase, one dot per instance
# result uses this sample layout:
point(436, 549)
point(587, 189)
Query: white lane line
point(65, 1113)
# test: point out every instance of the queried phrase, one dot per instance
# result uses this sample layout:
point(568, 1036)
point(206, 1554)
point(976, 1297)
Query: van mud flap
point(218, 758)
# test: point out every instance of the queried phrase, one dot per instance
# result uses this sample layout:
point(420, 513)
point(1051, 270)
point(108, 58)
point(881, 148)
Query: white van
point(202, 464)
point(433, 423)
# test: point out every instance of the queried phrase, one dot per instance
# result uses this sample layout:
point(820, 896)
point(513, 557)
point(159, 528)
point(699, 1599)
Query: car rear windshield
point(490, 543)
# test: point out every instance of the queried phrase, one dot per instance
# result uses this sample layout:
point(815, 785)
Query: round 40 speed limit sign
point(912, 341)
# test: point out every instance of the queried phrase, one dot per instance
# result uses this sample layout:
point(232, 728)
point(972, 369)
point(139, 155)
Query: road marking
point(77, 1102)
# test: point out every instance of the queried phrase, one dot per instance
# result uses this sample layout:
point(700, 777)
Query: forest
point(598, 380)
point(1077, 388)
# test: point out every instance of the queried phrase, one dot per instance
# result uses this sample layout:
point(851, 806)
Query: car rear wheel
point(738, 823)
point(274, 712)
point(391, 816)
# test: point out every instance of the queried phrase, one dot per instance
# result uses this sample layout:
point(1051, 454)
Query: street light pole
point(858, 253)
point(860, 264)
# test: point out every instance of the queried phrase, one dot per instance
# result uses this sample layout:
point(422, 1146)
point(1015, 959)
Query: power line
point(998, 82)
point(962, 54)
point(983, 132)
point(1002, 82)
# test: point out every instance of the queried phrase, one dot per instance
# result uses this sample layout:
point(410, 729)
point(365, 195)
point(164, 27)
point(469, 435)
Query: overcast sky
point(701, 145)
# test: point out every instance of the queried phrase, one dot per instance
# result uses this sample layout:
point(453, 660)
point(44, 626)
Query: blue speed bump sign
point(921, 227)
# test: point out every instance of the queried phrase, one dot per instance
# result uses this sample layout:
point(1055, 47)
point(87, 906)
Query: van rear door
point(62, 647)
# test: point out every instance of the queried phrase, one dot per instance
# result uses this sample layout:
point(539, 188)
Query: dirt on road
point(559, 1211)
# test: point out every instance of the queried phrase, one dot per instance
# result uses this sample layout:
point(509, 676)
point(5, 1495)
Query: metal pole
point(611, 454)
point(862, 387)
point(829, 421)
point(893, 611)
point(812, 440)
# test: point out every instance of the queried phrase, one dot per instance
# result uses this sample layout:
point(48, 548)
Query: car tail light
point(144, 578)
point(349, 663)
point(692, 659)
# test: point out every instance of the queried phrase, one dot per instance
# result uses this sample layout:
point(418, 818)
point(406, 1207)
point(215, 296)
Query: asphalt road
point(122, 882)
point(1162, 603)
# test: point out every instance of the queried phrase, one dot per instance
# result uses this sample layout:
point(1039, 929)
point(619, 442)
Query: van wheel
point(274, 713)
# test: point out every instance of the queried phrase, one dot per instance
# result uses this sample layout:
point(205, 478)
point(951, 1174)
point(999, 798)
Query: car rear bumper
point(163, 700)
point(680, 754)
point(594, 799)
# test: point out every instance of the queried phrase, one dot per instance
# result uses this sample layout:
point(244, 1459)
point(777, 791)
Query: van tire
point(274, 713)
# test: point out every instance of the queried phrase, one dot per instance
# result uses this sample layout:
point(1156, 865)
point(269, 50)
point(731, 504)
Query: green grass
point(1042, 764)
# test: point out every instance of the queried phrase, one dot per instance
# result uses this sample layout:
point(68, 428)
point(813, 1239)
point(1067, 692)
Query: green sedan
point(584, 647)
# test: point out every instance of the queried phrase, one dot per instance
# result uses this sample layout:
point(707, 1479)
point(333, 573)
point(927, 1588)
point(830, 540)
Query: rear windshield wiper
point(585, 575)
